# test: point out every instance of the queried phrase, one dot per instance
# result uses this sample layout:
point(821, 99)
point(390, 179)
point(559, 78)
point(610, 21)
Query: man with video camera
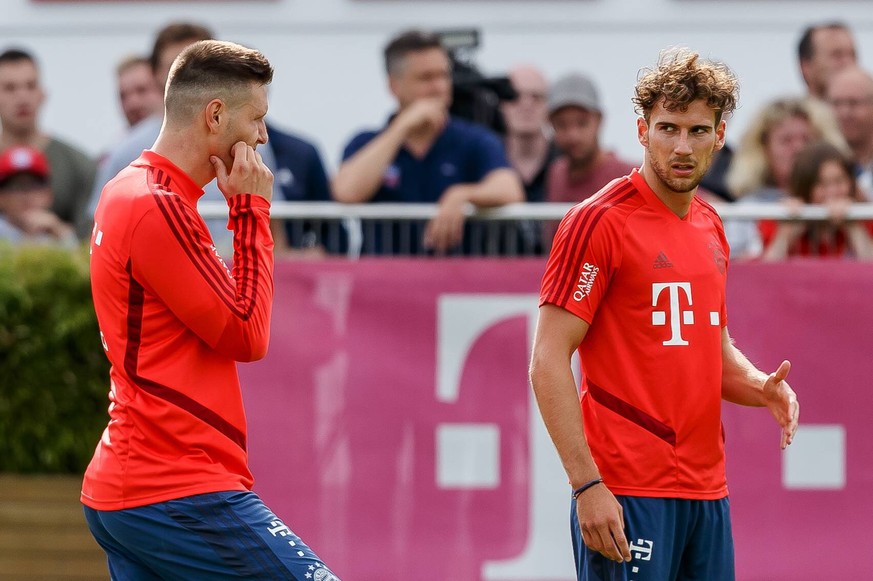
point(423, 154)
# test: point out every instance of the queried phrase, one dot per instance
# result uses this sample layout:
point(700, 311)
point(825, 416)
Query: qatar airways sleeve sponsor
point(585, 281)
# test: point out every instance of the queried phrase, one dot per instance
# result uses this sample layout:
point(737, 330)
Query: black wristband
point(585, 487)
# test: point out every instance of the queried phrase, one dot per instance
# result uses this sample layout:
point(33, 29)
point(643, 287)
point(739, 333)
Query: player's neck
point(178, 148)
point(677, 202)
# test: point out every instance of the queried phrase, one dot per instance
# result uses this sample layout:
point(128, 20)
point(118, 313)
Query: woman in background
point(761, 167)
point(822, 174)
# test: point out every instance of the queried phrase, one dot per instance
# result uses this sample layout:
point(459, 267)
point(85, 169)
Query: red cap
point(21, 159)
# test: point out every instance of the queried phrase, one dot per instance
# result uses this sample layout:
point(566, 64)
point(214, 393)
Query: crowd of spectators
point(548, 149)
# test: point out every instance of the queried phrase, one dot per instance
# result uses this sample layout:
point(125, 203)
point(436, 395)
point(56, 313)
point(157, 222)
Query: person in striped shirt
point(636, 283)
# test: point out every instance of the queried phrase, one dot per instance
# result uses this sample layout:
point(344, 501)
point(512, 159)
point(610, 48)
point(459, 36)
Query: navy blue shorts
point(671, 539)
point(223, 535)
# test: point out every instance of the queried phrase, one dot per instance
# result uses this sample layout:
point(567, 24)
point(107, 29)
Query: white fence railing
point(508, 230)
point(538, 211)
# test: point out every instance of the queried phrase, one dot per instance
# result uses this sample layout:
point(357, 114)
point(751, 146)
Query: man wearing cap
point(583, 168)
point(26, 199)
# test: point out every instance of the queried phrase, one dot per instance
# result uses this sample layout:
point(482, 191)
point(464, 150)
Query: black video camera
point(475, 97)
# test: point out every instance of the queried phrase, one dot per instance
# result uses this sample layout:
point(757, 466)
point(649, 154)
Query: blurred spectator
point(762, 163)
point(822, 174)
point(26, 199)
point(169, 42)
point(583, 167)
point(300, 177)
point(72, 171)
point(424, 155)
point(823, 50)
point(528, 148)
point(138, 92)
point(850, 93)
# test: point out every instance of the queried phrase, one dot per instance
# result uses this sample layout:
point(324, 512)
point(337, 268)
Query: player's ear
point(719, 134)
point(214, 115)
point(643, 131)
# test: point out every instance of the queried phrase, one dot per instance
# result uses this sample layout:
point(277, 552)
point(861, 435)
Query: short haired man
point(583, 167)
point(138, 92)
point(647, 461)
point(26, 199)
point(168, 492)
point(850, 94)
point(72, 171)
point(169, 42)
point(423, 154)
point(823, 50)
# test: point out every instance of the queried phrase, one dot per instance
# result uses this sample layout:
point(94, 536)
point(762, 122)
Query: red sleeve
point(584, 256)
point(172, 255)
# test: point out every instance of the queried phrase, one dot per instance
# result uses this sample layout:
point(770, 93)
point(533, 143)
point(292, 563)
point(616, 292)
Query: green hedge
point(53, 373)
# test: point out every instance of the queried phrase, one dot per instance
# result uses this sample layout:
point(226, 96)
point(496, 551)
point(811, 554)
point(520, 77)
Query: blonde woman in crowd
point(761, 167)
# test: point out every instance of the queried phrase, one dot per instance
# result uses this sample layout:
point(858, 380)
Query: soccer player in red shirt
point(168, 491)
point(636, 282)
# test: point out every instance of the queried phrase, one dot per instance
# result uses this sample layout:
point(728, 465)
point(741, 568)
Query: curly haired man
point(636, 282)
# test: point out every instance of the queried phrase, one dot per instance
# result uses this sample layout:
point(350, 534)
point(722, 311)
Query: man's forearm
point(360, 176)
point(499, 187)
point(742, 382)
point(557, 399)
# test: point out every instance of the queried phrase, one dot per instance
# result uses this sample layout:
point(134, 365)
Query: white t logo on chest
point(677, 316)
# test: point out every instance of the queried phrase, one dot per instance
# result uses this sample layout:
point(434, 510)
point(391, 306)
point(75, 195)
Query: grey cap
point(573, 90)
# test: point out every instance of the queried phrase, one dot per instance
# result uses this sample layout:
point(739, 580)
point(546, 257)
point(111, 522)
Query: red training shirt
point(174, 321)
point(652, 287)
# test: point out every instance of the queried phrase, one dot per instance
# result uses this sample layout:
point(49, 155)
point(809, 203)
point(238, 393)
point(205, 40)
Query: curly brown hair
point(682, 77)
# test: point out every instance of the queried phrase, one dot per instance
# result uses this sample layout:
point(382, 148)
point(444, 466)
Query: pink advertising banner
point(392, 426)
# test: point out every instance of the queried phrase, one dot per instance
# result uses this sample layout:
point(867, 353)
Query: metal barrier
point(511, 230)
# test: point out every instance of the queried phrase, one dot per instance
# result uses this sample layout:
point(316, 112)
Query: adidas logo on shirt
point(662, 261)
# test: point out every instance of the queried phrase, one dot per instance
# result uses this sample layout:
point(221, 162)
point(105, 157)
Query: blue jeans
point(217, 536)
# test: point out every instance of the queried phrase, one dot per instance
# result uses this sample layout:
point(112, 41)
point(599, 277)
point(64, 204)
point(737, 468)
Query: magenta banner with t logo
point(393, 428)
